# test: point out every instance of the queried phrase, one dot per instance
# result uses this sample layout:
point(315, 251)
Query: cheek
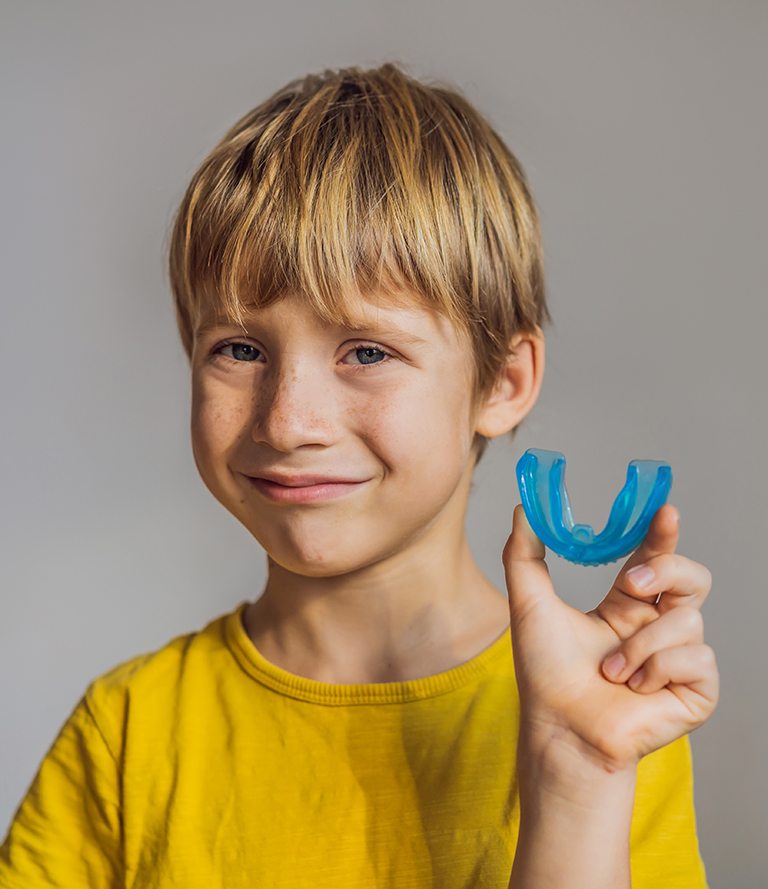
point(415, 429)
point(214, 424)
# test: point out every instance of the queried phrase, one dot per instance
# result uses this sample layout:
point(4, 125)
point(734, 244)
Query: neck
point(420, 612)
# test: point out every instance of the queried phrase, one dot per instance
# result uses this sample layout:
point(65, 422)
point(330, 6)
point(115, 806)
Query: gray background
point(642, 127)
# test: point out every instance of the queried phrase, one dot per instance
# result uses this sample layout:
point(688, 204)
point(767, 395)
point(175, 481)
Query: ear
point(517, 387)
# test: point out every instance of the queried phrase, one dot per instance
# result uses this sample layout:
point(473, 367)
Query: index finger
point(662, 537)
point(687, 582)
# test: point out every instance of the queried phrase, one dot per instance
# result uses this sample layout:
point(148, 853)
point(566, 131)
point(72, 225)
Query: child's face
point(295, 396)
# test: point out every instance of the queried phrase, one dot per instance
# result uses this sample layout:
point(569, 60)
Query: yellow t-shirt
point(204, 766)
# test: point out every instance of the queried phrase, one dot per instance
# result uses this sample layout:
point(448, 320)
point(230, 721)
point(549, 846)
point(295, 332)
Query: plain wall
point(642, 127)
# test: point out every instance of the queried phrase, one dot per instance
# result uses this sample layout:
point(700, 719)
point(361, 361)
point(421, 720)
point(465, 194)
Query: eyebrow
point(363, 327)
point(379, 330)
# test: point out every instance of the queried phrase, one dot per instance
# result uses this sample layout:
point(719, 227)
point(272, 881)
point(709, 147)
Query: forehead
point(407, 316)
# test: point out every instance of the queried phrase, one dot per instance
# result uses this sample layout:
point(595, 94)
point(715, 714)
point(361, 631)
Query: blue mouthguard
point(541, 479)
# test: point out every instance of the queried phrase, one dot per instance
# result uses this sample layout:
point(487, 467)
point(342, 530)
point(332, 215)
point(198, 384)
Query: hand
point(566, 695)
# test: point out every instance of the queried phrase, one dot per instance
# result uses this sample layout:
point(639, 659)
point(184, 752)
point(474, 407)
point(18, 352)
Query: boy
point(357, 272)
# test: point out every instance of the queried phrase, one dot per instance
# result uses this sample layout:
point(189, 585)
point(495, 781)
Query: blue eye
point(236, 345)
point(251, 352)
point(371, 348)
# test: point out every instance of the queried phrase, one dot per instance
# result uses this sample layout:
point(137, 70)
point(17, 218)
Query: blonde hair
point(364, 182)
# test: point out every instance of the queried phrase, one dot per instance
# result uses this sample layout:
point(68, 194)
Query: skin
point(380, 585)
point(670, 683)
point(583, 728)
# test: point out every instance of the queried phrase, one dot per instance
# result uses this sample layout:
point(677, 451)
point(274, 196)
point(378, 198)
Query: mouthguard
point(541, 479)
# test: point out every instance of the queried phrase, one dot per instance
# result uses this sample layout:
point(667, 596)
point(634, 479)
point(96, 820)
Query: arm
point(67, 829)
point(604, 690)
point(575, 822)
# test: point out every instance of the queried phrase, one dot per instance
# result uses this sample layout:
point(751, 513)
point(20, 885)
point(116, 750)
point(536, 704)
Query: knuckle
point(701, 574)
point(631, 661)
point(660, 565)
point(634, 649)
point(666, 563)
point(690, 618)
point(653, 665)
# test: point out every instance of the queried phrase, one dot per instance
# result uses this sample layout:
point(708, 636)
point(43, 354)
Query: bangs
point(369, 185)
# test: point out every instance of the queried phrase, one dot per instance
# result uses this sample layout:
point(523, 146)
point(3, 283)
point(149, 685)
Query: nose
point(294, 406)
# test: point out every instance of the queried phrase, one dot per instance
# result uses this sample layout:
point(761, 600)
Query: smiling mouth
point(303, 493)
point(305, 481)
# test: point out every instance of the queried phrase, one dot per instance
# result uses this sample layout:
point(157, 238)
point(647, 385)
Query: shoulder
point(148, 684)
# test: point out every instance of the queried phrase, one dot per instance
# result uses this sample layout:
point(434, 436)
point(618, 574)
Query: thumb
point(527, 574)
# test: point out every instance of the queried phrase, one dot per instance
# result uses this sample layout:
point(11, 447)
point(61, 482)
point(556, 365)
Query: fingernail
point(641, 576)
point(614, 664)
point(637, 679)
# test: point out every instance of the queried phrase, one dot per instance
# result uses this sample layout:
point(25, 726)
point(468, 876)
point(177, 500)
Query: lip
point(302, 481)
point(303, 493)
